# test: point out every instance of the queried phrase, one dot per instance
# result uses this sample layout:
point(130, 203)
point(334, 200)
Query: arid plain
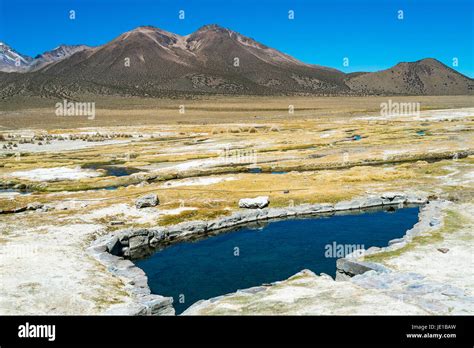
point(69, 180)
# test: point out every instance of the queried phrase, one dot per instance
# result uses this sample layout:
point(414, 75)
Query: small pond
point(11, 192)
point(111, 170)
point(257, 170)
point(248, 257)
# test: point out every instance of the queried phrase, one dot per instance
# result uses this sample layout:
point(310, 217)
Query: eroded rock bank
point(115, 251)
point(415, 276)
point(429, 218)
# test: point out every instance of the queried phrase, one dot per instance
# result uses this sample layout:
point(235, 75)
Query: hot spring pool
point(247, 257)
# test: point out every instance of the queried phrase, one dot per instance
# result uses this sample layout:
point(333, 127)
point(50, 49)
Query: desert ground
point(58, 194)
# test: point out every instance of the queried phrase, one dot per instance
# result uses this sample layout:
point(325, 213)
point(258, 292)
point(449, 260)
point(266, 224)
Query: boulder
point(150, 200)
point(138, 241)
point(393, 198)
point(158, 235)
point(353, 267)
point(45, 208)
point(254, 203)
point(114, 246)
point(34, 206)
point(158, 305)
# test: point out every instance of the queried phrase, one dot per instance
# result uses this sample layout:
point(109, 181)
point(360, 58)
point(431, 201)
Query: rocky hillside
point(148, 61)
point(426, 76)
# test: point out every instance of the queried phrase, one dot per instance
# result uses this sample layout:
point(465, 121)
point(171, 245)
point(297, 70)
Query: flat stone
point(158, 237)
point(347, 205)
point(34, 206)
point(306, 209)
point(158, 305)
point(116, 223)
point(138, 241)
point(371, 202)
point(149, 200)
point(127, 310)
point(326, 208)
point(353, 267)
point(254, 203)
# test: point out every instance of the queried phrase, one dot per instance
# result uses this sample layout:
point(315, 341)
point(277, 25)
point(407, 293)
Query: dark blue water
point(10, 190)
point(259, 171)
point(112, 170)
point(209, 268)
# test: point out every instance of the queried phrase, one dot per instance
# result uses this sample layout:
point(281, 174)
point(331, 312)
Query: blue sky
point(323, 32)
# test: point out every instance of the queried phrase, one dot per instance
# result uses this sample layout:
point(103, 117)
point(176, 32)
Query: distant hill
point(12, 61)
point(148, 61)
point(426, 76)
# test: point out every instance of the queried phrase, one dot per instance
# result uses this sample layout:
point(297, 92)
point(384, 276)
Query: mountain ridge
point(212, 60)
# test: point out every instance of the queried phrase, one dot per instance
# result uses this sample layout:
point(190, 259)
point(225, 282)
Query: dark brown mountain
point(148, 61)
point(426, 76)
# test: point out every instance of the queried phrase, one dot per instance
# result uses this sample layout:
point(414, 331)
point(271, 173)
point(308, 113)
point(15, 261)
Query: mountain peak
point(430, 61)
point(205, 62)
point(148, 28)
point(424, 61)
point(11, 60)
point(213, 27)
point(60, 52)
point(4, 46)
point(150, 32)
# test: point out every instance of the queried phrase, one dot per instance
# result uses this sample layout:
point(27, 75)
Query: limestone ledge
point(360, 288)
point(371, 293)
point(429, 219)
point(115, 250)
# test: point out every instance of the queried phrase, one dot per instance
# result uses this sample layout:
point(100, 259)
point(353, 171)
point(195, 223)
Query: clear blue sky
point(323, 32)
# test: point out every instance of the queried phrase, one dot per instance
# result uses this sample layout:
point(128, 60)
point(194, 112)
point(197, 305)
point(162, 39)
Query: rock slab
point(150, 200)
point(254, 203)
